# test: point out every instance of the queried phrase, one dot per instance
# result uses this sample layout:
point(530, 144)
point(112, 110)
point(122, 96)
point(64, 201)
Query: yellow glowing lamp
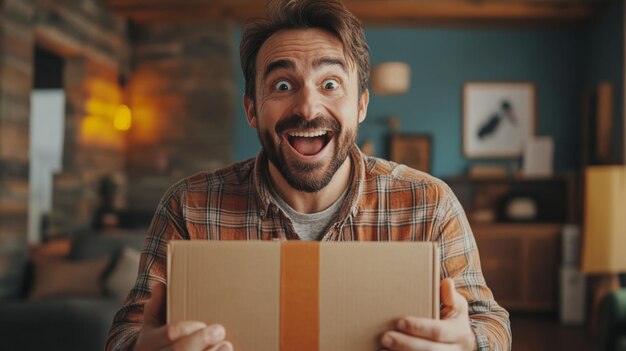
point(605, 221)
point(123, 118)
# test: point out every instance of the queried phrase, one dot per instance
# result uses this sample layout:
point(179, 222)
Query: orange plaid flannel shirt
point(385, 202)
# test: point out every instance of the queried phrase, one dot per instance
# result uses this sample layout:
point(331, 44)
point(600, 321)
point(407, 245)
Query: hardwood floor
point(544, 333)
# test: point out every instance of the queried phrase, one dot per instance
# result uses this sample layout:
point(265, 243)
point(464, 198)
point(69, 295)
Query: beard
point(309, 177)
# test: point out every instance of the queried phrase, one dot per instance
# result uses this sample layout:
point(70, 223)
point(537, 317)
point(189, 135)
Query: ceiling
point(375, 12)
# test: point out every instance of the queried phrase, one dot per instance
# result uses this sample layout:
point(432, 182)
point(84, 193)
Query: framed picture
point(413, 150)
point(497, 118)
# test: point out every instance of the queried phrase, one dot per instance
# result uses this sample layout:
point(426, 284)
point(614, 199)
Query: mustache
point(297, 122)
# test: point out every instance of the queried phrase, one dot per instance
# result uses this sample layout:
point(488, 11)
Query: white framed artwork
point(498, 118)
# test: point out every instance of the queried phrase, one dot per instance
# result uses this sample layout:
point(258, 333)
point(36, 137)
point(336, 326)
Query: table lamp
point(604, 243)
point(604, 249)
point(391, 78)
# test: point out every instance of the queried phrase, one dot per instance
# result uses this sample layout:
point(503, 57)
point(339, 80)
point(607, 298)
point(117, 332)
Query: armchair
point(613, 321)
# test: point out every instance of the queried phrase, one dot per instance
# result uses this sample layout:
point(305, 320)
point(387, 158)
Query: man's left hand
point(452, 332)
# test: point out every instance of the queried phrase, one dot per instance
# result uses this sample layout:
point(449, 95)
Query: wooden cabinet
point(520, 263)
point(519, 258)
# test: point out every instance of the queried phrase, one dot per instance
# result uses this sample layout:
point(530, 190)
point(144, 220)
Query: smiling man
point(306, 109)
point(306, 67)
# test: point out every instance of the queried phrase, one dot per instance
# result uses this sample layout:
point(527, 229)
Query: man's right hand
point(187, 335)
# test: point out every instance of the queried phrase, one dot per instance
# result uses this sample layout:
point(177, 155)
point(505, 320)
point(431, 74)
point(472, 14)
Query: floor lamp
point(604, 245)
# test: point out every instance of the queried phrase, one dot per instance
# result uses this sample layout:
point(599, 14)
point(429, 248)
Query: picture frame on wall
point(413, 150)
point(498, 117)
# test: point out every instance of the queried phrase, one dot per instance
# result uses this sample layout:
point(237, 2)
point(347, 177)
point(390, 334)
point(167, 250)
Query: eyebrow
point(287, 64)
point(330, 61)
point(278, 64)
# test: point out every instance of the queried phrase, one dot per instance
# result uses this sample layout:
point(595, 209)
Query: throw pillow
point(122, 278)
point(57, 277)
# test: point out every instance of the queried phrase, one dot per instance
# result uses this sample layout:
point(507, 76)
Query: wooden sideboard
point(520, 264)
point(520, 259)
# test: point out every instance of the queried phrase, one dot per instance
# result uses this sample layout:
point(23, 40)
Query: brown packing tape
point(299, 308)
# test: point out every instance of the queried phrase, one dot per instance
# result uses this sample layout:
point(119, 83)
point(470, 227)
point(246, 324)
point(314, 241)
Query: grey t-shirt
point(309, 226)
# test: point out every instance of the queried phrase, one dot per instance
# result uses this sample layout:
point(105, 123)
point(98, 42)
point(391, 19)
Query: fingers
point(166, 335)
point(431, 329)
point(186, 335)
point(454, 304)
point(447, 329)
point(154, 310)
point(211, 336)
point(452, 332)
point(427, 334)
point(446, 291)
point(223, 346)
point(397, 341)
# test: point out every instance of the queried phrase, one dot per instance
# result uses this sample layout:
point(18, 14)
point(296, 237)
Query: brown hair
point(330, 15)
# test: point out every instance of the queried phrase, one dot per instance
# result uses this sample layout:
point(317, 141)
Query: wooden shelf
point(377, 12)
point(554, 196)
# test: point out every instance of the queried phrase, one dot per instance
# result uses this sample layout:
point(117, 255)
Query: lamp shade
point(604, 249)
point(391, 78)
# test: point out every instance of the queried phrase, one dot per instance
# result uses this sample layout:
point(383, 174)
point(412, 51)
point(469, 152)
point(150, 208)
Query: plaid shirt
point(385, 202)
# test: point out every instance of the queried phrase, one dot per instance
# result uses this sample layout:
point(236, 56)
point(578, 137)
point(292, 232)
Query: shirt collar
point(351, 201)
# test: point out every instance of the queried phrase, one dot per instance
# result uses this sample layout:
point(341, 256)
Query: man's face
point(307, 107)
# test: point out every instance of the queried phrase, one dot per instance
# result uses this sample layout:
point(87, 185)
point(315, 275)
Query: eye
point(330, 84)
point(283, 85)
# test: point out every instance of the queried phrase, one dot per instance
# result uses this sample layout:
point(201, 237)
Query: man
point(306, 68)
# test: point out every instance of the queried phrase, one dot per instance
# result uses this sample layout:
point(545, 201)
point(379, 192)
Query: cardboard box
point(300, 296)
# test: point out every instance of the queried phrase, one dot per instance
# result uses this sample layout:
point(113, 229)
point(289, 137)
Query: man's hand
point(187, 335)
point(452, 332)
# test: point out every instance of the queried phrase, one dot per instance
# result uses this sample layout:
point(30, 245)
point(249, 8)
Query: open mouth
point(309, 143)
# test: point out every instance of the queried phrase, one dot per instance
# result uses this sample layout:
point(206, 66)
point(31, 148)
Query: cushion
point(107, 244)
point(122, 278)
point(56, 277)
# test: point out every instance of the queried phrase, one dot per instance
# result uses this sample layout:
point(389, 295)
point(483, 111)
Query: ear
point(248, 105)
point(365, 100)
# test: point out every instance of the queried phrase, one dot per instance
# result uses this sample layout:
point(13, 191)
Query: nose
point(307, 103)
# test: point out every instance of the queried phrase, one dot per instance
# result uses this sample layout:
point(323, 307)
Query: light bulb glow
point(123, 118)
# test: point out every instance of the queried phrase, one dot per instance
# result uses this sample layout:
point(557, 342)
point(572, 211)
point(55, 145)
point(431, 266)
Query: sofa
point(76, 316)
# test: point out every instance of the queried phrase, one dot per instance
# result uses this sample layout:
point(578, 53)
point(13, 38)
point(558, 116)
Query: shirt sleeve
point(461, 262)
point(167, 224)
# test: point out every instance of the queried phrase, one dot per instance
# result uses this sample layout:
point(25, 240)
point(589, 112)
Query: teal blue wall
point(443, 60)
point(561, 63)
point(246, 141)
